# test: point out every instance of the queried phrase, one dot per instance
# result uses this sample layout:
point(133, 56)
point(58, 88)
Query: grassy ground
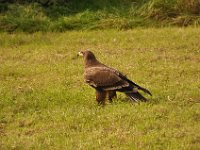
point(60, 15)
point(46, 105)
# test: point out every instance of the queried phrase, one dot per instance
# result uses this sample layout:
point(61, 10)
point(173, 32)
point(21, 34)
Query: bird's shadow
point(120, 100)
point(125, 100)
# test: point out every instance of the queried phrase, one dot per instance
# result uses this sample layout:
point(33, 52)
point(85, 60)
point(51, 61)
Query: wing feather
point(105, 78)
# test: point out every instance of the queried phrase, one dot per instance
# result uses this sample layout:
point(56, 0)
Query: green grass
point(33, 16)
point(46, 105)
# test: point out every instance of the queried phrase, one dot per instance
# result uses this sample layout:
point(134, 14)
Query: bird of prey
point(106, 80)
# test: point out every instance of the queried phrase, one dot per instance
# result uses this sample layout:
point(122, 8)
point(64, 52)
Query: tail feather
point(145, 90)
point(136, 97)
point(139, 87)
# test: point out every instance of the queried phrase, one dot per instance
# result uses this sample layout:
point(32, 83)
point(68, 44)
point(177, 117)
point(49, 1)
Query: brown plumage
point(107, 80)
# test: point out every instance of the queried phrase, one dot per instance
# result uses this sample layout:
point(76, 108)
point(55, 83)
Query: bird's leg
point(100, 97)
point(111, 95)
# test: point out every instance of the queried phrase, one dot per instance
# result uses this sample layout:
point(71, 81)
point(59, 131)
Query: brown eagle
point(107, 80)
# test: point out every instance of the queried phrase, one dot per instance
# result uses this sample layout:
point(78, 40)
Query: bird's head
point(87, 55)
point(89, 58)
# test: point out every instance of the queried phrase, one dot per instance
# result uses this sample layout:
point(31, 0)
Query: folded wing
point(104, 78)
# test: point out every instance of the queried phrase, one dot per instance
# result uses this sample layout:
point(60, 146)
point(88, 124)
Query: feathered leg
point(100, 97)
point(111, 95)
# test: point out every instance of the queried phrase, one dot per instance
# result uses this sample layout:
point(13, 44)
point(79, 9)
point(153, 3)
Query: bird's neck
point(91, 63)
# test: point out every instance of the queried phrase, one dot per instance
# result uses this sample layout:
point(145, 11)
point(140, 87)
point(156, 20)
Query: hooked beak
point(80, 53)
point(77, 55)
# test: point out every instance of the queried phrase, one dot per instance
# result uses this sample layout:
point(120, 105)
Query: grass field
point(65, 15)
point(46, 105)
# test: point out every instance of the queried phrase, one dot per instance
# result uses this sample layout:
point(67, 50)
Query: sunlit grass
point(46, 105)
